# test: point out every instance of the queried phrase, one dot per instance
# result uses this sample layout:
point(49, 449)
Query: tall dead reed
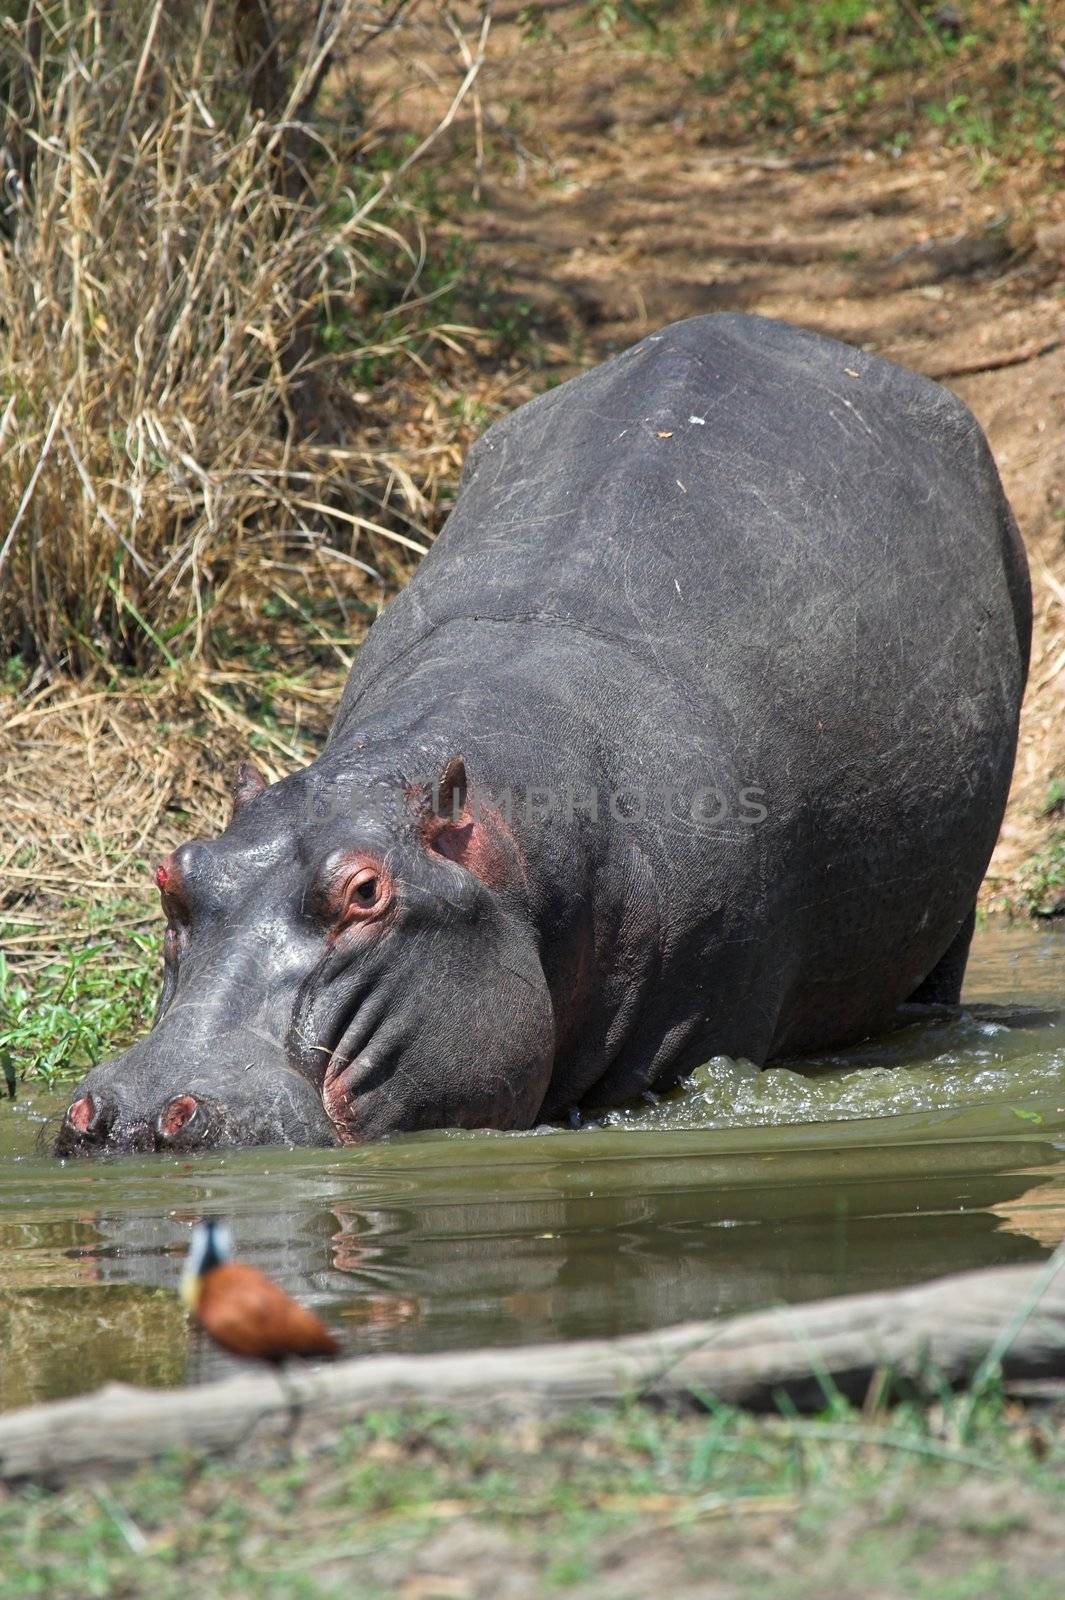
point(181, 223)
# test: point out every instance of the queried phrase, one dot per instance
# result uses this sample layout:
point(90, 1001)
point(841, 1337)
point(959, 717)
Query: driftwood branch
point(941, 1331)
point(994, 363)
point(778, 163)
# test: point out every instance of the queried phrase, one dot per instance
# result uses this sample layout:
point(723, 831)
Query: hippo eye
point(366, 893)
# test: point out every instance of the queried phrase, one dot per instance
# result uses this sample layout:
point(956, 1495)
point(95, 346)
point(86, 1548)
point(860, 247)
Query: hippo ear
point(469, 830)
point(248, 782)
point(449, 791)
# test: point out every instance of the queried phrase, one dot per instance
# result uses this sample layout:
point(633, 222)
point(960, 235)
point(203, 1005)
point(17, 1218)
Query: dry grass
point(99, 783)
point(180, 274)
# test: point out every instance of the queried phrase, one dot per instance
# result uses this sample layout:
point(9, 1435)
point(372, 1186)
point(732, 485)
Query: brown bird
point(242, 1309)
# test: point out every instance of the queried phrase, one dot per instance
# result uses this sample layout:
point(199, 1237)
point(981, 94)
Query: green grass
point(445, 286)
point(1043, 878)
point(823, 64)
point(87, 1004)
point(1054, 799)
point(786, 1507)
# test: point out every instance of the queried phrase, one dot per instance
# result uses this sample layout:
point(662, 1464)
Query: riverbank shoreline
point(606, 1480)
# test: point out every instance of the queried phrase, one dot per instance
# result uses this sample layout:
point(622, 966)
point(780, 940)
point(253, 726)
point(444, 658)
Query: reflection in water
point(1038, 1213)
point(937, 1148)
point(64, 1341)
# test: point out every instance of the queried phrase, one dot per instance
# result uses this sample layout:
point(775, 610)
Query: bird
point(242, 1309)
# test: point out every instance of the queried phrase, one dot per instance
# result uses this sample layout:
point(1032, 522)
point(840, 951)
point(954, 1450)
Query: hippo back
point(751, 508)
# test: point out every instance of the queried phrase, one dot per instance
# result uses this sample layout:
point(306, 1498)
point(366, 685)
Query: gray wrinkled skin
point(739, 555)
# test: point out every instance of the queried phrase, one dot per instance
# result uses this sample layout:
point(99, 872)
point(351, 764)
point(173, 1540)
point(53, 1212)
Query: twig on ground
point(994, 363)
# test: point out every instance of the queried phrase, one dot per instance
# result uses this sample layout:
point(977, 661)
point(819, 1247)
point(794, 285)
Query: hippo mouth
point(360, 1061)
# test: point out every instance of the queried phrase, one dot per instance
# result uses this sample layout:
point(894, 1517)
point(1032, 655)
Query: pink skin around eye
point(346, 905)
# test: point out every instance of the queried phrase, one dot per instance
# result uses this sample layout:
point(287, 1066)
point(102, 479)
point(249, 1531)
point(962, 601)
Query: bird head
point(211, 1244)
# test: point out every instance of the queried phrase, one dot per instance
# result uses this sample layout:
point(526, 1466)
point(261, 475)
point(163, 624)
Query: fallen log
point(920, 1336)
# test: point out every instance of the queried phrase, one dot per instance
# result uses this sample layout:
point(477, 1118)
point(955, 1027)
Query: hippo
point(691, 736)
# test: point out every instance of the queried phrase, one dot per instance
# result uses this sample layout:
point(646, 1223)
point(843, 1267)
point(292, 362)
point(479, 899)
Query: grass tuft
point(81, 1008)
point(1043, 879)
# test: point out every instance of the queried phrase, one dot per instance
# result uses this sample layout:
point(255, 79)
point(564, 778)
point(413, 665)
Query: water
point(937, 1148)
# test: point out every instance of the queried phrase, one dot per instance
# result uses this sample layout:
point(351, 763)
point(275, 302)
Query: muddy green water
point(939, 1147)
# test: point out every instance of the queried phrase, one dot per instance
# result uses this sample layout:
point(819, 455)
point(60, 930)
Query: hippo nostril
point(183, 1123)
point(90, 1117)
point(179, 1112)
point(80, 1113)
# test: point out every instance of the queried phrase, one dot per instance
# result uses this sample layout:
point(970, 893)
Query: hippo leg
point(942, 987)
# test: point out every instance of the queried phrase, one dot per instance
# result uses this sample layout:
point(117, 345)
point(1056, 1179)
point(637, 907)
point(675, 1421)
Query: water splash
point(938, 1062)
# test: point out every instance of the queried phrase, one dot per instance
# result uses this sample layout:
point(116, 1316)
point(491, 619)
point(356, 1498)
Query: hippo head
point(351, 958)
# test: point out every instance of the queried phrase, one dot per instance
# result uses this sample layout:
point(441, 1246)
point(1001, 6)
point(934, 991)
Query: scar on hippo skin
point(451, 789)
point(472, 834)
point(339, 1098)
